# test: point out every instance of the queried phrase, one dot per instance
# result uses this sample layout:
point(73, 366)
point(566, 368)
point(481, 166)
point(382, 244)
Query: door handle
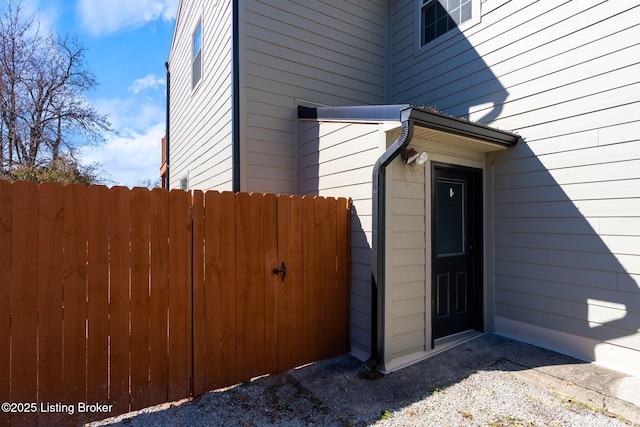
point(282, 269)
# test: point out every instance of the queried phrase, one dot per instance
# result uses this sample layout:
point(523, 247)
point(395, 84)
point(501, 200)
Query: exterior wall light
point(410, 155)
point(418, 158)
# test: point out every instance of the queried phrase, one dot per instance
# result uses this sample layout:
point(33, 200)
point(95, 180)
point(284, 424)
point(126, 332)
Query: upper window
point(440, 16)
point(196, 71)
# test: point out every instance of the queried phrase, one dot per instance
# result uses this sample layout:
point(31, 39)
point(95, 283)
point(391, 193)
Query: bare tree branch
point(43, 78)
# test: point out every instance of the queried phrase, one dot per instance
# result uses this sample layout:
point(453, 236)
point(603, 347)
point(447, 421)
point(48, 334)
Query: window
point(441, 16)
point(196, 71)
point(184, 184)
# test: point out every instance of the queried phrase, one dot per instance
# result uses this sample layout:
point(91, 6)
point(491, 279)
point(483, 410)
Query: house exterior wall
point(563, 208)
point(289, 52)
point(567, 200)
point(295, 50)
point(408, 252)
point(407, 256)
point(200, 116)
point(336, 160)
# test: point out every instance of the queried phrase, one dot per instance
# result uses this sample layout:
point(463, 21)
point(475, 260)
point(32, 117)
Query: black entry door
point(456, 250)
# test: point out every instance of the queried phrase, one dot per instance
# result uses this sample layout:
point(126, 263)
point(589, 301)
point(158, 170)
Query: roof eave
point(420, 116)
point(458, 126)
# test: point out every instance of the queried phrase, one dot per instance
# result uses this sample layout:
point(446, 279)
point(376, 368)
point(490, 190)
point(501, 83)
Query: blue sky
point(128, 42)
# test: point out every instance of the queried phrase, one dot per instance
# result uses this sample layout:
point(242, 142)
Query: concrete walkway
point(343, 385)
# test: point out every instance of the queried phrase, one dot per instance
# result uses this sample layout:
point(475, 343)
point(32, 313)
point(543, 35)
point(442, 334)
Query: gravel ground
point(488, 381)
point(497, 398)
point(275, 400)
point(492, 397)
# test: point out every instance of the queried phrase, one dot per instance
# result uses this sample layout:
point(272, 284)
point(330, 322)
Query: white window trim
point(476, 16)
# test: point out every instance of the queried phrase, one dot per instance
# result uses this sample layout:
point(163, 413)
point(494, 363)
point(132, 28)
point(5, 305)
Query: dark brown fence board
point(198, 300)
point(5, 295)
point(50, 292)
point(24, 297)
point(119, 260)
point(159, 364)
point(98, 295)
point(140, 298)
point(179, 294)
point(212, 287)
point(75, 297)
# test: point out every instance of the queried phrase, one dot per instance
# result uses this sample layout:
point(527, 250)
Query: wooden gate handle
point(283, 270)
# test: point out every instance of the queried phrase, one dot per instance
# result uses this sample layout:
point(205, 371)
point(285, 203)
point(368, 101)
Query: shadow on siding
point(553, 269)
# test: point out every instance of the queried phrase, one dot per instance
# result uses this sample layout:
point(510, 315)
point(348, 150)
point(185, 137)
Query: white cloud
point(103, 17)
point(131, 114)
point(151, 81)
point(133, 155)
point(129, 159)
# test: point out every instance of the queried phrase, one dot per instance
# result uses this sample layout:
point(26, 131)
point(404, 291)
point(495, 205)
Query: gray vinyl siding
point(327, 53)
point(336, 160)
point(200, 133)
point(564, 75)
point(407, 301)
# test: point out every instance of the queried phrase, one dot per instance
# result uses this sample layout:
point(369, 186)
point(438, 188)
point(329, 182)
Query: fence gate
point(112, 300)
point(289, 260)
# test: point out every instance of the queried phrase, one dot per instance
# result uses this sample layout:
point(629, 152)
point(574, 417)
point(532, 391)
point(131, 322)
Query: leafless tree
point(43, 77)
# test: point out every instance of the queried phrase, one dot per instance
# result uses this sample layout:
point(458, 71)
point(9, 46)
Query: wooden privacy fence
point(112, 300)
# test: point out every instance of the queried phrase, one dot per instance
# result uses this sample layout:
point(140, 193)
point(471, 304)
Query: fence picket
point(284, 287)
point(294, 271)
point(212, 288)
point(228, 290)
point(343, 256)
point(24, 297)
point(97, 295)
point(119, 260)
point(5, 295)
point(331, 277)
point(75, 296)
point(271, 282)
point(179, 295)
point(320, 290)
point(159, 363)
point(198, 301)
point(258, 282)
point(50, 292)
point(308, 278)
point(245, 310)
point(139, 305)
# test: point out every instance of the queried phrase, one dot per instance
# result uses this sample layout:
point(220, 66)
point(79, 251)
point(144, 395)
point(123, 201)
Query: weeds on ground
point(575, 405)
point(509, 421)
